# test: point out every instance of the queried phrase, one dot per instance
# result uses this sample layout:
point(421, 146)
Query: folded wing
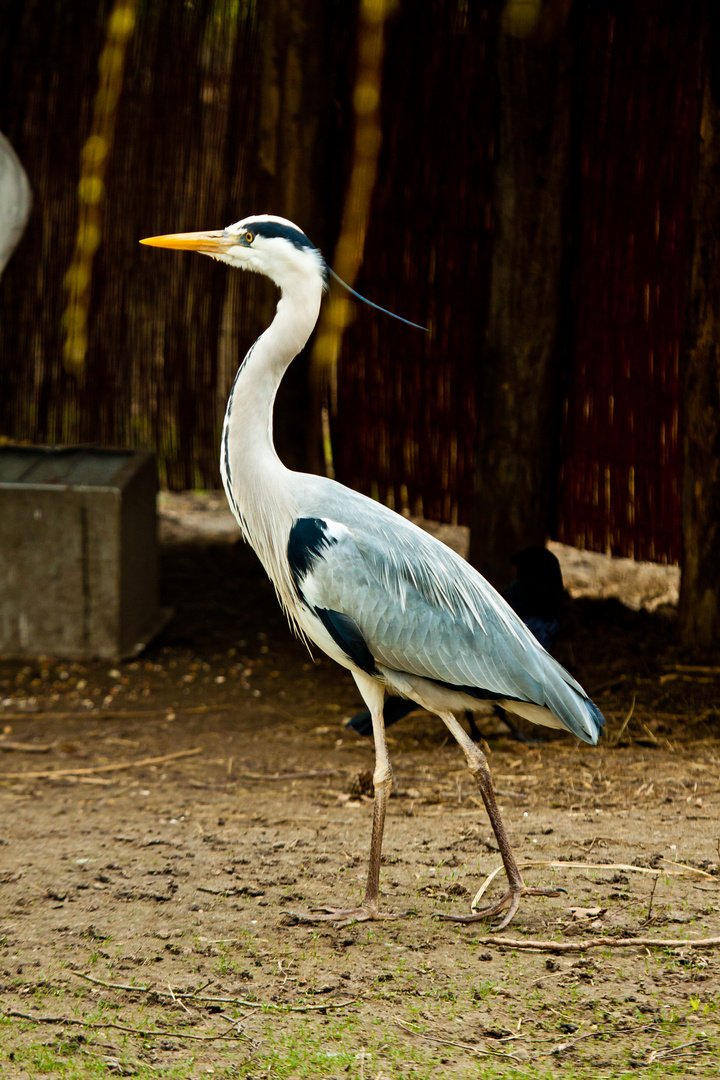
point(422, 610)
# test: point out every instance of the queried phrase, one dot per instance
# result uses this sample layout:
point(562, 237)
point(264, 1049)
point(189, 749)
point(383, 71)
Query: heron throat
point(258, 486)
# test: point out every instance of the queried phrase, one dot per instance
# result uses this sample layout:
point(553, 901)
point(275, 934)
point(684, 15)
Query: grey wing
point(424, 611)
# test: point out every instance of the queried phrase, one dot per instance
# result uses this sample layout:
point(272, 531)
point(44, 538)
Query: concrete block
point(78, 552)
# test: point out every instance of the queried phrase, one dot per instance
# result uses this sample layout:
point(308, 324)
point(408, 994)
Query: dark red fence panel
point(620, 483)
point(164, 335)
point(407, 410)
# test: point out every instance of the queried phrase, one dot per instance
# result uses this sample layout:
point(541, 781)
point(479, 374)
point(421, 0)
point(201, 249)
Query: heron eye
point(249, 237)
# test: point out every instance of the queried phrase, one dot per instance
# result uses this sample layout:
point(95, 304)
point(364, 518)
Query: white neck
point(258, 486)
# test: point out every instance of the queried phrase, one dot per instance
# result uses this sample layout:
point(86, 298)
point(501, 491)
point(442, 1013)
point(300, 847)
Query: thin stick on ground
point(144, 1032)
point(616, 738)
point(178, 996)
point(111, 714)
point(539, 945)
point(51, 774)
point(449, 1042)
point(648, 917)
point(307, 774)
point(658, 1055)
point(679, 871)
point(234, 1025)
point(26, 747)
point(563, 1046)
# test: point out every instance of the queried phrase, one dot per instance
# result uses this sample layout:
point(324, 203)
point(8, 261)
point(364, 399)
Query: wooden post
point(699, 611)
point(521, 390)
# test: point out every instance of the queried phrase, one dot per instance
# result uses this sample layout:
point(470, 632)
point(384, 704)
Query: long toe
point(511, 901)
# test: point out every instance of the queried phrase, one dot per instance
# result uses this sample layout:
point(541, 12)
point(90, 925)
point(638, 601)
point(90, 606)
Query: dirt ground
point(163, 818)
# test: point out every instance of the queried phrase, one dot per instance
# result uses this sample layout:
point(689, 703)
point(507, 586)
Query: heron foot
point(511, 901)
point(347, 916)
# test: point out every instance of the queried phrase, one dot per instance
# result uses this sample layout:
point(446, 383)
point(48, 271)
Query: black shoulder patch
point(346, 633)
point(272, 229)
point(307, 541)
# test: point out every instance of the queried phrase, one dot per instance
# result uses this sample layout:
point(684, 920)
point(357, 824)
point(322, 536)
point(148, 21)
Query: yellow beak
point(209, 243)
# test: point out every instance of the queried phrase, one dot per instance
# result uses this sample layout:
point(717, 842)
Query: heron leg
point(382, 784)
point(478, 765)
point(374, 695)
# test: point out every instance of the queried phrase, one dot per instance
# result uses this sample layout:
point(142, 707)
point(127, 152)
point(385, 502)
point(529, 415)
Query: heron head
point(264, 244)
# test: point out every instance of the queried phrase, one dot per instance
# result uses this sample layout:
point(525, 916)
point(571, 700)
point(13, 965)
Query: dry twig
point(144, 1032)
point(195, 996)
point(616, 738)
point(648, 917)
point(111, 714)
point(698, 669)
point(26, 747)
point(563, 1046)
point(600, 943)
point(449, 1042)
point(51, 774)
point(658, 1055)
point(309, 773)
point(680, 871)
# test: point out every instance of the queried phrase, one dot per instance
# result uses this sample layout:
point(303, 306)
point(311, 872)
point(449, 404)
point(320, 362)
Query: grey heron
point(396, 607)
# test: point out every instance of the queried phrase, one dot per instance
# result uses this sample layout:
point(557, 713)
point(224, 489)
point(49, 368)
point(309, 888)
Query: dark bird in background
point(537, 595)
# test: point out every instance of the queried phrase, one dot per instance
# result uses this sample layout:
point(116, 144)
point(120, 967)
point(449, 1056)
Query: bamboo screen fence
point(412, 410)
point(407, 410)
point(621, 465)
point(191, 146)
point(192, 141)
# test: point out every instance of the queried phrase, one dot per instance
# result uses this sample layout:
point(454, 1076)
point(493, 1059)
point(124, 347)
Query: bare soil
point(146, 906)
